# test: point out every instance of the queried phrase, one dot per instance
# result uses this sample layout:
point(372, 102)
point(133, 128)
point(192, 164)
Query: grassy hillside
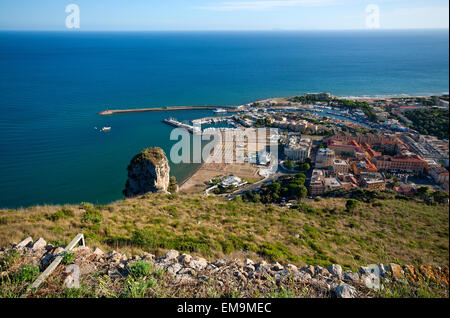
point(405, 232)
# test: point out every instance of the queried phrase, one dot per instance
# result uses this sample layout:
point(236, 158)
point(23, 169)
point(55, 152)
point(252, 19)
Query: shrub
point(68, 258)
point(140, 269)
point(60, 214)
point(351, 205)
point(28, 273)
point(92, 216)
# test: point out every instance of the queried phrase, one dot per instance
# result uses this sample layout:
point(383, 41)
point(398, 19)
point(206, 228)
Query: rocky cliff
point(148, 171)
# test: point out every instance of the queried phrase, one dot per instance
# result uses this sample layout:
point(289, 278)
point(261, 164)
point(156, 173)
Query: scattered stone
point(25, 242)
point(309, 269)
point(98, 251)
point(174, 268)
point(291, 268)
point(58, 251)
point(371, 281)
point(351, 277)
point(396, 271)
point(198, 263)
point(248, 262)
point(185, 259)
point(171, 254)
point(345, 291)
point(221, 262)
point(335, 270)
point(39, 244)
point(276, 267)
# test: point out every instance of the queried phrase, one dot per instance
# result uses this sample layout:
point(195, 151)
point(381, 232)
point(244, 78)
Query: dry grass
point(405, 232)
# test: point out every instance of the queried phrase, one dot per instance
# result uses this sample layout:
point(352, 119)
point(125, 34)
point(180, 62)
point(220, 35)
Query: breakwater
point(167, 108)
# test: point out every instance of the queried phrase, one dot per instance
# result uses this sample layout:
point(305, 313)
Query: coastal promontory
point(148, 171)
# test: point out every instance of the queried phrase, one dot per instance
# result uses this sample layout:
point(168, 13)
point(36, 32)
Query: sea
point(53, 84)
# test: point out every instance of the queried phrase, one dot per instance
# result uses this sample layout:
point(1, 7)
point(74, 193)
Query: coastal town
point(339, 144)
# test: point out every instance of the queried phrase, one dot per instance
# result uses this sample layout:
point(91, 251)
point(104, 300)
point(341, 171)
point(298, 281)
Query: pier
point(176, 123)
point(167, 108)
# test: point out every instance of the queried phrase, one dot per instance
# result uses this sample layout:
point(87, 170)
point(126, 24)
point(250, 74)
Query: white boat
point(219, 110)
point(106, 129)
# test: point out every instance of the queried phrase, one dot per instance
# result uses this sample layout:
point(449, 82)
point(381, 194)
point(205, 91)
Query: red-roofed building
point(402, 162)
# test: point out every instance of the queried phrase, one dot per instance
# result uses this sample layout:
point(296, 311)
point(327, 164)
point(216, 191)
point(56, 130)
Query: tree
point(423, 192)
point(440, 196)
point(351, 205)
point(289, 164)
point(173, 186)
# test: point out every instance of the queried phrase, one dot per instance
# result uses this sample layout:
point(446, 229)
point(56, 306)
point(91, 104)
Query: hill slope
point(322, 233)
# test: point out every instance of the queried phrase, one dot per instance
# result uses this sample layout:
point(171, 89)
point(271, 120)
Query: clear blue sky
point(222, 14)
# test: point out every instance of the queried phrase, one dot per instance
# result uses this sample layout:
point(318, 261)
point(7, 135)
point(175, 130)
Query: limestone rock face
point(148, 172)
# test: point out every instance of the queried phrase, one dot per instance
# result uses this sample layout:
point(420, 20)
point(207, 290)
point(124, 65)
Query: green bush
point(140, 269)
point(92, 216)
point(60, 214)
point(28, 274)
point(68, 258)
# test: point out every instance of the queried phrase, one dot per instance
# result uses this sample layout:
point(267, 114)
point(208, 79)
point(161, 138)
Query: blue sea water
point(53, 84)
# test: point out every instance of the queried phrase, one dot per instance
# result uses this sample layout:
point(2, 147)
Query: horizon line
point(224, 30)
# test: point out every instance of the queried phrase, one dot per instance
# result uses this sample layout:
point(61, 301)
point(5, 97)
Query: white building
point(340, 166)
point(325, 158)
point(298, 148)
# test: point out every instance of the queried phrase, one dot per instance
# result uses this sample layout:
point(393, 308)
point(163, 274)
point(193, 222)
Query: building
point(364, 165)
point(317, 184)
point(325, 158)
point(298, 148)
point(340, 166)
point(340, 147)
point(372, 181)
point(231, 181)
point(332, 183)
point(407, 162)
point(440, 175)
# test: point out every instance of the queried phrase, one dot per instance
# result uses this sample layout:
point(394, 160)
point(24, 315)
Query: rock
point(240, 276)
point(351, 277)
point(302, 276)
point(345, 291)
point(57, 251)
point(249, 268)
point(25, 242)
point(291, 268)
point(148, 257)
point(371, 281)
point(39, 244)
point(98, 251)
point(174, 268)
point(148, 171)
point(171, 254)
point(73, 276)
point(248, 262)
point(335, 270)
point(198, 263)
point(185, 259)
point(183, 278)
point(276, 267)
point(186, 271)
point(396, 271)
point(221, 262)
point(309, 269)
point(378, 270)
